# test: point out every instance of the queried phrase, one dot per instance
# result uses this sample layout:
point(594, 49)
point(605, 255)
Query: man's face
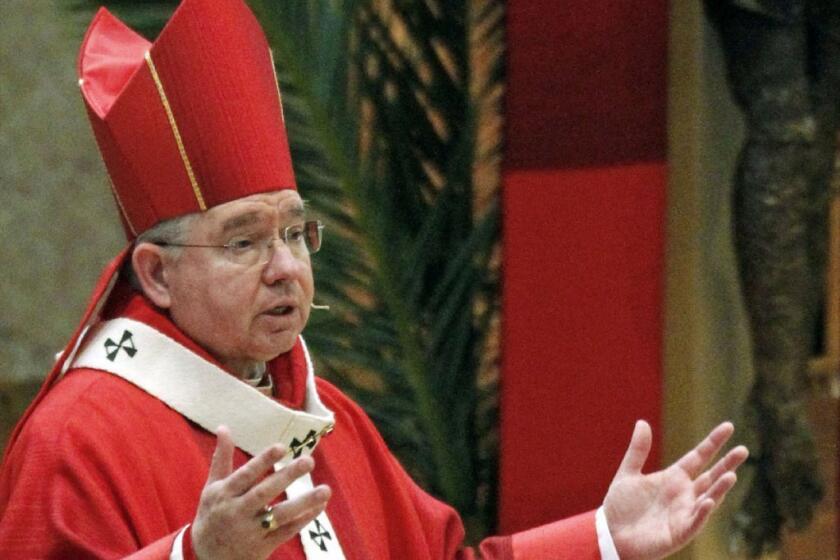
point(242, 314)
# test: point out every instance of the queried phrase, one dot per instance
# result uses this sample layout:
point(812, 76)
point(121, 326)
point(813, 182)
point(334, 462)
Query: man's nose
point(282, 263)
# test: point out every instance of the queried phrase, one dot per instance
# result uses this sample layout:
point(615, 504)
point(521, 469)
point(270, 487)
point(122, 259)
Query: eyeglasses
point(249, 250)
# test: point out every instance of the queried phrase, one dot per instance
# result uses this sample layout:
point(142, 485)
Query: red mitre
point(189, 121)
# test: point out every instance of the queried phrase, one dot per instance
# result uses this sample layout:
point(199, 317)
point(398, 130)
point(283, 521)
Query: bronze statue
point(783, 62)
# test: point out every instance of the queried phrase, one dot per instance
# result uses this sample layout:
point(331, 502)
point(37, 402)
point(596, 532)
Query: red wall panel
point(586, 82)
point(584, 210)
point(582, 333)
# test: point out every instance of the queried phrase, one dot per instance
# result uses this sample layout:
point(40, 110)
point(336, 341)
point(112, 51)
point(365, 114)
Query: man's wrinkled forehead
point(284, 204)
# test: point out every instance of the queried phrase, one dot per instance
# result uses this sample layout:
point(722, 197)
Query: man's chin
point(279, 347)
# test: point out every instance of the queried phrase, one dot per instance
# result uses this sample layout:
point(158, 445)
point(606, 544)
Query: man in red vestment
point(183, 419)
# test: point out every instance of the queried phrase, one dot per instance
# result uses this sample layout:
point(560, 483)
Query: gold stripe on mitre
point(175, 131)
point(277, 84)
point(122, 208)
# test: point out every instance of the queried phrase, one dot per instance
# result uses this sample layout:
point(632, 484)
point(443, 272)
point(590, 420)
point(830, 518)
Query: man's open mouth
point(280, 310)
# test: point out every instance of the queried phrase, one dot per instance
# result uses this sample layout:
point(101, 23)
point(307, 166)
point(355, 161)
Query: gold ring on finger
point(267, 520)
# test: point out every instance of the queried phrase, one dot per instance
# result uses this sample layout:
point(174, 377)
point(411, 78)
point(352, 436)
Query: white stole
point(209, 396)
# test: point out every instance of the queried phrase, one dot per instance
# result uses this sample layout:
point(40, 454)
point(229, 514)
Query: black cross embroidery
point(320, 533)
point(309, 441)
point(126, 343)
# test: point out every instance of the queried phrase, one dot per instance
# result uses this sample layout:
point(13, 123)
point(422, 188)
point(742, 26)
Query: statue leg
point(779, 212)
point(824, 76)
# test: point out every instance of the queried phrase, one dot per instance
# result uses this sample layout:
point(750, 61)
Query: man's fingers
point(282, 534)
point(638, 450)
point(293, 515)
point(729, 462)
point(273, 485)
point(221, 464)
point(254, 470)
point(695, 460)
point(702, 511)
point(719, 489)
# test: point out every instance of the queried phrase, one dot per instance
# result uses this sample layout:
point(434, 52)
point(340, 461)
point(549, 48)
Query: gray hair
point(173, 230)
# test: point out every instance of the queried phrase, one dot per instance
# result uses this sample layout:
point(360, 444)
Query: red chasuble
point(102, 469)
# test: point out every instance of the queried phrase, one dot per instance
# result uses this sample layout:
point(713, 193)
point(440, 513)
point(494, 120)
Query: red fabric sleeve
point(574, 538)
point(158, 550)
point(57, 511)
point(72, 488)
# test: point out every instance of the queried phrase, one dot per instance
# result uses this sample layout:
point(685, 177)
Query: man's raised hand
point(653, 515)
point(227, 523)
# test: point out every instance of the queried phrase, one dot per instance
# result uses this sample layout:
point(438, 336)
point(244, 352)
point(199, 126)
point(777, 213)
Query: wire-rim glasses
point(301, 239)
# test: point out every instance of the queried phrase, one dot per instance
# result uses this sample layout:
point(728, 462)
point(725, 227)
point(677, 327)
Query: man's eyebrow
point(297, 211)
point(239, 221)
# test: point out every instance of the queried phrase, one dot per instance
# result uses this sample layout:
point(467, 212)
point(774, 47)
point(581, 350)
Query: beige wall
point(57, 223)
point(57, 220)
point(707, 358)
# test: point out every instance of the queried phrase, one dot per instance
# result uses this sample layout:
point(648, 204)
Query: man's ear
point(149, 268)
